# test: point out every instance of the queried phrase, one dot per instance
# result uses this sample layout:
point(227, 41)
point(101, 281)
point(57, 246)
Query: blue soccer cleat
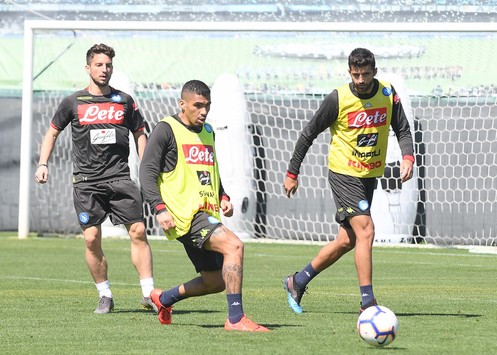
point(294, 293)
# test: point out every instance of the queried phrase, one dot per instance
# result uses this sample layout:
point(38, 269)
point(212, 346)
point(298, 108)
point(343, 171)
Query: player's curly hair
point(99, 49)
point(361, 57)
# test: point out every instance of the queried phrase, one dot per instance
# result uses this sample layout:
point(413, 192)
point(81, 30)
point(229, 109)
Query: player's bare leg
point(97, 264)
point(331, 252)
point(95, 258)
point(209, 282)
point(364, 230)
point(141, 253)
point(296, 285)
point(141, 257)
point(227, 243)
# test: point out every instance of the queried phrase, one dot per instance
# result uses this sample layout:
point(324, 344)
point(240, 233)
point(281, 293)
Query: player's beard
point(364, 89)
point(101, 83)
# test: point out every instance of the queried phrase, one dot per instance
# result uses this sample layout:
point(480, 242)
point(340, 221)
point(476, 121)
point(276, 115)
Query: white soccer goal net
point(267, 80)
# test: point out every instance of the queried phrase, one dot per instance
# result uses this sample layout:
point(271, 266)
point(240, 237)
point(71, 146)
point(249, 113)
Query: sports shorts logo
point(363, 205)
point(84, 217)
point(213, 220)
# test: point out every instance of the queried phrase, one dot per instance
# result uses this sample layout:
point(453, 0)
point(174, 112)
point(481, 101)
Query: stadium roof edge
point(262, 26)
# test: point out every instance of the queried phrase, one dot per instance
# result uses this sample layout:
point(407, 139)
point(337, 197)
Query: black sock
point(367, 294)
point(305, 276)
point(170, 297)
point(235, 307)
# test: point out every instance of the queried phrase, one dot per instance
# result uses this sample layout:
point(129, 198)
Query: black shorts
point(353, 196)
point(120, 200)
point(202, 227)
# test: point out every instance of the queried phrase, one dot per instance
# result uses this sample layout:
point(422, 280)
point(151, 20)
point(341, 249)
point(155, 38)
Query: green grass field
point(445, 300)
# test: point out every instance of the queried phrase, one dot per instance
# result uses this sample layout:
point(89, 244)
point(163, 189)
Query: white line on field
point(44, 279)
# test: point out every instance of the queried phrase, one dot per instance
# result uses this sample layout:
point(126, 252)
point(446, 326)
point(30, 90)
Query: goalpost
point(277, 74)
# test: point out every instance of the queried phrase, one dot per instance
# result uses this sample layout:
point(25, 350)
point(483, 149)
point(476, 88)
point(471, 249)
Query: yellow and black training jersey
point(360, 133)
point(359, 125)
point(182, 172)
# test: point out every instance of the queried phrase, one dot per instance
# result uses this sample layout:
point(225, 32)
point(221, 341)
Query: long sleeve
point(401, 127)
point(159, 156)
point(326, 114)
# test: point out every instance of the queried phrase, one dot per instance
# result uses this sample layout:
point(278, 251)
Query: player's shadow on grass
point(134, 310)
point(462, 315)
point(187, 311)
point(269, 326)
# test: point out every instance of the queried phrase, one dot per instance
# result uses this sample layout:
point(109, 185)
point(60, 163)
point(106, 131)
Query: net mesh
point(285, 76)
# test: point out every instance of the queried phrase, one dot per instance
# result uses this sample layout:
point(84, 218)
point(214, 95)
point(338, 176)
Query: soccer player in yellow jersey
point(180, 180)
point(359, 115)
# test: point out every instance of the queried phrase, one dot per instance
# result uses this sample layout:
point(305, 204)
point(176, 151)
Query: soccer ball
point(378, 325)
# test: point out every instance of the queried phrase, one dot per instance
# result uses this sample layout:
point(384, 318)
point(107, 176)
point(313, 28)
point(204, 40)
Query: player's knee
point(368, 233)
point(93, 244)
point(137, 232)
point(347, 245)
point(231, 244)
point(227, 243)
point(366, 236)
point(213, 284)
point(236, 246)
point(217, 286)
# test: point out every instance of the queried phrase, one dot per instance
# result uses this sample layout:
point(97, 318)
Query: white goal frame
point(31, 26)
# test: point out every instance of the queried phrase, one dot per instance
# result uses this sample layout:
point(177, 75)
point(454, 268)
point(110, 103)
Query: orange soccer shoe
point(245, 325)
point(164, 313)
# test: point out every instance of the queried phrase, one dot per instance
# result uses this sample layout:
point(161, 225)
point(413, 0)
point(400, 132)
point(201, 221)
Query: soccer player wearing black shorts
point(180, 179)
point(359, 116)
point(101, 118)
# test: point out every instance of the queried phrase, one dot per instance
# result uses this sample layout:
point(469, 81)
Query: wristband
point(225, 197)
point(161, 207)
point(43, 164)
point(291, 175)
point(410, 158)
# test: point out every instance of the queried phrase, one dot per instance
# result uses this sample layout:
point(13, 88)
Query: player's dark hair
point(99, 49)
point(361, 57)
point(197, 87)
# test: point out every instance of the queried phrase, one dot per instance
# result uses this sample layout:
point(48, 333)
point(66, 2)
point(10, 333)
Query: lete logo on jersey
point(198, 154)
point(101, 113)
point(368, 118)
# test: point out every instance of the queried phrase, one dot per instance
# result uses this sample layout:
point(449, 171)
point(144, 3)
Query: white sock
point(147, 286)
point(103, 289)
